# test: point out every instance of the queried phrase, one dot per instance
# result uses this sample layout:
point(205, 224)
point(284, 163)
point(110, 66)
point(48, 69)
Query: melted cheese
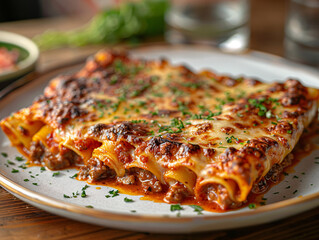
point(197, 129)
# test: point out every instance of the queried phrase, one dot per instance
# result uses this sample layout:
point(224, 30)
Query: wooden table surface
point(19, 220)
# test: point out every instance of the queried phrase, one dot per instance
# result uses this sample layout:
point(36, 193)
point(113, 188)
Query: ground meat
point(127, 180)
point(96, 170)
point(287, 161)
point(218, 194)
point(37, 151)
point(65, 158)
point(176, 193)
point(260, 187)
point(54, 161)
point(274, 173)
point(148, 181)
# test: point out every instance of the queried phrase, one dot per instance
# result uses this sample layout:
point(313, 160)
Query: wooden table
point(19, 220)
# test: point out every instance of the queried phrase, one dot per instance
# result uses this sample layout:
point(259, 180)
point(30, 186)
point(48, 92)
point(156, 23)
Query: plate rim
point(47, 201)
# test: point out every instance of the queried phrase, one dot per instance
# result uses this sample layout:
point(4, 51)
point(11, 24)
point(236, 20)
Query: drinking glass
point(222, 23)
point(302, 32)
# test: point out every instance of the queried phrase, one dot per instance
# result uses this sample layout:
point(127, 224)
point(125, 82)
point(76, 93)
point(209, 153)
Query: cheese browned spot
point(165, 130)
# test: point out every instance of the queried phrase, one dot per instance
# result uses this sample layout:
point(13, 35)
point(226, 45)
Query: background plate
point(47, 191)
point(28, 62)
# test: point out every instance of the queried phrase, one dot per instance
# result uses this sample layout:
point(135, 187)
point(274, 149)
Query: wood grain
point(19, 220)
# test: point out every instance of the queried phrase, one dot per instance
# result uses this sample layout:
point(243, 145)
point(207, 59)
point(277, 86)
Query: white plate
point(157, 217)
point(25, 65)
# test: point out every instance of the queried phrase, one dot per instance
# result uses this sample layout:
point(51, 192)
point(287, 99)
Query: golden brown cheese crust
point(202, 135)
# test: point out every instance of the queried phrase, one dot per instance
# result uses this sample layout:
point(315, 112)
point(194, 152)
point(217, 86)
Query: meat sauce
point(125, 109)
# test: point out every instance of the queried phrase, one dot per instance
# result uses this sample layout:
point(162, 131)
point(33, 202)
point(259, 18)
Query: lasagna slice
point(163, 130)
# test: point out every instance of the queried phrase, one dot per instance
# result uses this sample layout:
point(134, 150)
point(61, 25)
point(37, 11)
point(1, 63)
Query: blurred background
point(266, 16)
point(274, 26)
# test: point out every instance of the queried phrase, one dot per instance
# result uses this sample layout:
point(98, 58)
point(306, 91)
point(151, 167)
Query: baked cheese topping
point(164, 129)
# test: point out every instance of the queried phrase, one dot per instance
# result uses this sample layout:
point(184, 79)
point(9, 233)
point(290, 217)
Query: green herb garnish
point(18, 158)
point(128, 200)
point(176, 207)
point(55, 174)
point(197, 209)
point(252, 206)
point(4, 154)
point(83, 194)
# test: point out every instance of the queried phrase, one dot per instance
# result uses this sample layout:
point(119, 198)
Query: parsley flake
point(176, 207)
point(83, 194)
point(74, 176)
point(4, 154)
point(114, 193)
point(197, 209)
point(10, 163)
point(55, 174)
point(18, 158)
point(128, 200)
point(252, 206)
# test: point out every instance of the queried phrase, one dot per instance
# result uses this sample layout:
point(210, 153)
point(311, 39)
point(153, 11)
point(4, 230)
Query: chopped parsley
point(89, 206)
point(175, 127)
point(85, 187)
point(14, 170)
point(55, 174)
point(4, 154)
point(10, 163)
point(128, 199)
point(66, 196)
point(42, 169)
point(252, 206)
point(18, 158)
point(26, 180)
point(83, 194)
point(197, 209)
point(176, 207)
point(258, 103)
point(229, 139)
point(113, 193)
point(35, 184)
point(23, 166)
point(295, 192)
point(74, 176)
